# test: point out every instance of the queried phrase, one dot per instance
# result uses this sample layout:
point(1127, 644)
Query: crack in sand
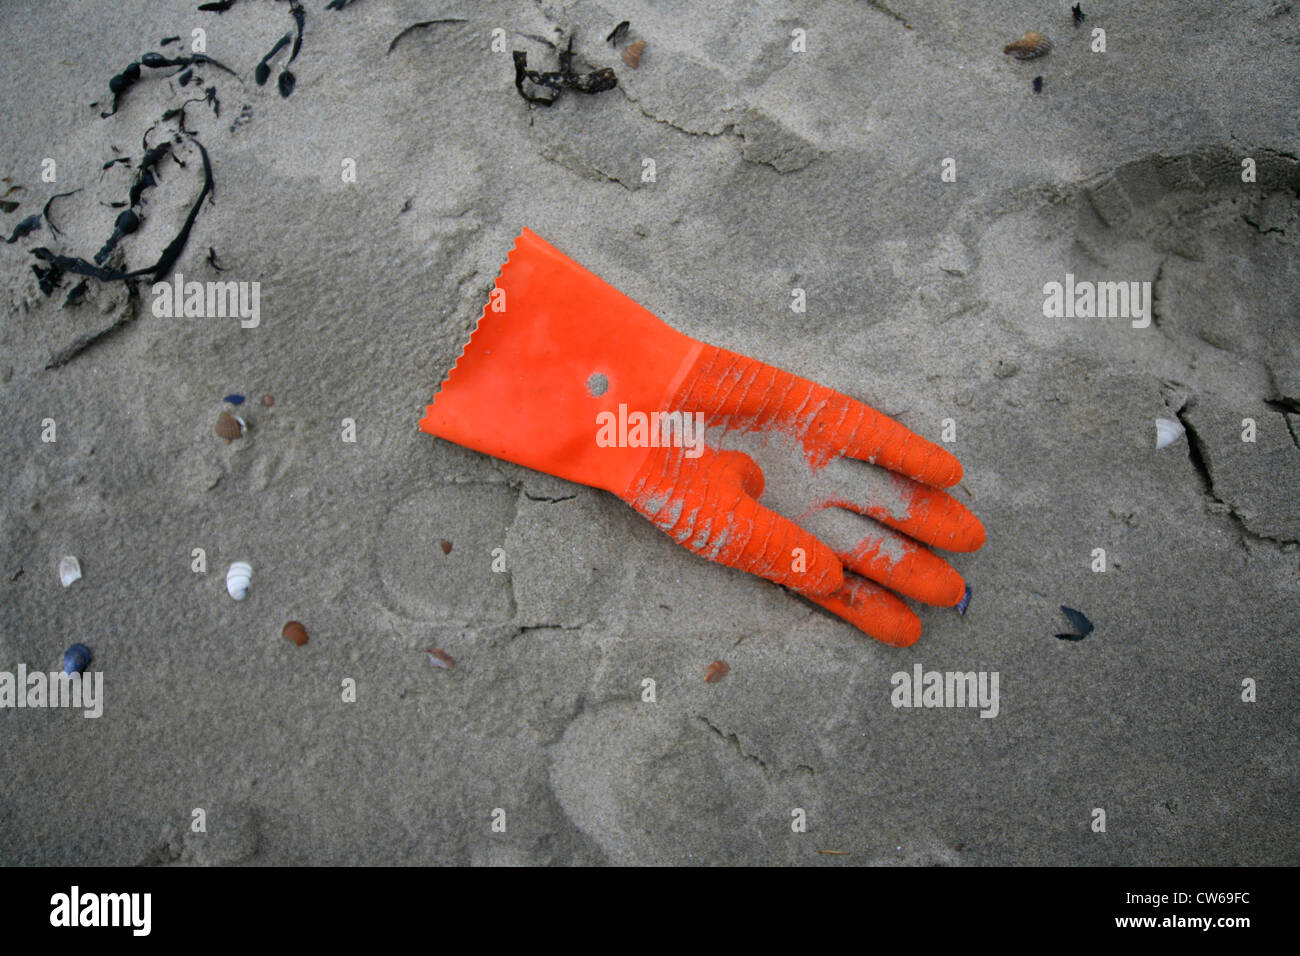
point(887, 11)
point(749, 141)
point(548, 500)
point(1262, 230)
point(1195, 453)
point(734, 740)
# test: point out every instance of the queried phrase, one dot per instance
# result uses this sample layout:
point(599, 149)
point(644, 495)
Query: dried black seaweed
point(193, 58)
point(144, 177)
point(286, 81)
point(263, 70)
point(1079, 15)
point(618, 33)
point(120, 83)
point(75, 293)
point(300, 20)
point(597, 81)
point(28, 225)
point(45, 210)
point(165, 261)
point(48, 278)
point(216, 6)
point(127, 222)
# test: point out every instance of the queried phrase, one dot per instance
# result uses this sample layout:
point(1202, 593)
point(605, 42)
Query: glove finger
point(748, 394)
point(709, 505)
point(873, 610)
point(927, 514)
point(887, 557)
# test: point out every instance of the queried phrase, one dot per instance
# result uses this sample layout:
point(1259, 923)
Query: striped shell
point(1029, 47)
point(632, 54)
point(237, 578)
point(1168, 431)
point(230, 426)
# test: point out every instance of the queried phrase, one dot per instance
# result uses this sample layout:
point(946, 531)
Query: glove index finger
point(874, 437)
point(744, 393)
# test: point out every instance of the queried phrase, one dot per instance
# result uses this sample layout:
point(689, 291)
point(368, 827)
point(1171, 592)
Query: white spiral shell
point(237, 578)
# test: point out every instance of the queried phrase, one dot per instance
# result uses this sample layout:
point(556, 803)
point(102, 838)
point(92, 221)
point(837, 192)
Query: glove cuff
point(555, 348)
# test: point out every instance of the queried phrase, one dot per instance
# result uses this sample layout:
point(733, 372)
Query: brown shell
point(439, 659)
point(446, 546)
point(1029, 47)
point(229, 427)
point(294, 631)
point(268, 400)
point(632, 53)
point(717, 671)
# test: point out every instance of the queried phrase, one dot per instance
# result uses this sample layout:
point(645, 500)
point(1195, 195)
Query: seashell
point(632, 53)
point(69, 570)
point(235, 399)
point(237, 578)
point(717, 671)
point(75, 659)
point(1029, 47)
point(229, 426)
point(268, 400)
point(439, 659)
point(294, 631)
point(964, 603)
point(1168, 431)
point(1079, 621)
point(446, 546)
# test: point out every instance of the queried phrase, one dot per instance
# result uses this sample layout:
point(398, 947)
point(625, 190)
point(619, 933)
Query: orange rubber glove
point(563, 373)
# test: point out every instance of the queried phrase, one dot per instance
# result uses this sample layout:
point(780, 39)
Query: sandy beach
point(883, 164)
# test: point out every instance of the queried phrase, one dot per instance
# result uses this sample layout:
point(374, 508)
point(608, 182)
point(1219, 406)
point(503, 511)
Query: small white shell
point(237, 578)
point(1168, 431)
point(69, 570)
